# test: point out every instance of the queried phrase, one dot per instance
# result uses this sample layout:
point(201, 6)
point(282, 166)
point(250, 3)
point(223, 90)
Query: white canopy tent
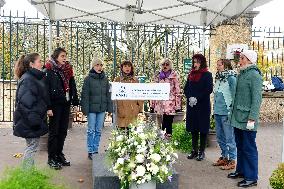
point(202, 13)
point(172, 12)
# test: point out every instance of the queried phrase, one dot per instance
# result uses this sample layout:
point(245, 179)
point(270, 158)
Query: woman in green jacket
point(244, 119)
point(95, 101)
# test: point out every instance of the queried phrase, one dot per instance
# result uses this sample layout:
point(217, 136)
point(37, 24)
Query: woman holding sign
point(197, 90)
point(127, 110)
point(168, 108)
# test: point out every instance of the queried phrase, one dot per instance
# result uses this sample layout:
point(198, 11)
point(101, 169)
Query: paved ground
point(193, 174)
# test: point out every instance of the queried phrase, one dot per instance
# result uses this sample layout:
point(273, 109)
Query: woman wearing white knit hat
point(244, 118)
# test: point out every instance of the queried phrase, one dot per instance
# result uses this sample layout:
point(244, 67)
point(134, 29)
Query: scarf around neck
point(195, 75)
point(164, 75)
point(64, 70)
point(223, 76)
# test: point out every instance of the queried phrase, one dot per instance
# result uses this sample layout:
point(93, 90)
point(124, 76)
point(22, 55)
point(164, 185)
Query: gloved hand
point(151, 110)
point(192, 101)
point(250, 125)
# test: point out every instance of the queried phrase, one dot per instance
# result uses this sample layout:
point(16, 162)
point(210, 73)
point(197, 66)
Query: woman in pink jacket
point(168, 108)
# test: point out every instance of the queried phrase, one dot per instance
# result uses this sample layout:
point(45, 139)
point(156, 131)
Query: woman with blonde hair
point(95, 101)
point(168, 108)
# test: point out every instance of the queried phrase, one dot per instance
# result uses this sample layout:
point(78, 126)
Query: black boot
point(192, 155)
point(62, 160)
point(90, 156)
point(200, 156)
point(53, 164)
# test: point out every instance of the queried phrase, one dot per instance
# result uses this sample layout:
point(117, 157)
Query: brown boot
point(230, 165)
point(220, 162)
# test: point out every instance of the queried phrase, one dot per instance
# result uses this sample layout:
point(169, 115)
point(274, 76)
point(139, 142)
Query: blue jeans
point(225, 137)
point(95, 125)
point(247, 162)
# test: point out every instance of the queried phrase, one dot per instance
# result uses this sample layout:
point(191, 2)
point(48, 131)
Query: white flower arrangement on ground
point(141, 155)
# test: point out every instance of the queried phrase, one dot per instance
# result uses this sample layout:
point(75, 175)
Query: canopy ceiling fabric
point(171, 12)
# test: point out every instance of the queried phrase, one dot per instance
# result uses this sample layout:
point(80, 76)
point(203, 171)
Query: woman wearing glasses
point(168, 108)
point(95, 101)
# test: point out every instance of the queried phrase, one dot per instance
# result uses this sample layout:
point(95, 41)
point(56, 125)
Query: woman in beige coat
point(127, 110)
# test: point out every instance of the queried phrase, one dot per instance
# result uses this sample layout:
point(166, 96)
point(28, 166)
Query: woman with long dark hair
point(197, 90)
point(31, 105)
point(63, 93)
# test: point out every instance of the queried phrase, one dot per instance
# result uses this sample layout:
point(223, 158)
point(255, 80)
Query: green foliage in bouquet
point(141, 155)
point(18, 178)
point(181, 138)
point(277, 178)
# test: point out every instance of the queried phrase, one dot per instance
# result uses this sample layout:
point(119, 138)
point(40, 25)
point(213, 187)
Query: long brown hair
point(201, 59)
point(23, 64)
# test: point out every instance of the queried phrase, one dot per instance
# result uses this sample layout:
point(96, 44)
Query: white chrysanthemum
point(131, 164)
point(119, 138)
point(140, 129)
point(175, 155)
point(155, 157)
point(154, 168)
point(140, 158)
point(168, 158)
point(140, 171)
point(148, 177)
point(164, 169)
point(133, 176)
point(120, 161)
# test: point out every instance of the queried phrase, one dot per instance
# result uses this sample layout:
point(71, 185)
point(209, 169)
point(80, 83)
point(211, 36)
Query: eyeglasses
point(165, 64)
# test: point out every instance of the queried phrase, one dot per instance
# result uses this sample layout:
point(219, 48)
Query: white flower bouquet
point(141, 155)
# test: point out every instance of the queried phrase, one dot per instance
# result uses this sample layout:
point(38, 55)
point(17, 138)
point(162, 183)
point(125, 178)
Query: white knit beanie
point(251, 55)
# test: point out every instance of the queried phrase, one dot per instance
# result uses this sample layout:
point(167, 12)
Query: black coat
point(56, 91)
point(95, 94)
point(198, 116)
point(31, 105)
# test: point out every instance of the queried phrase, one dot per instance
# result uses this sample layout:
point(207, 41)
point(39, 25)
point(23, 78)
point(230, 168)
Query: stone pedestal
point(105, 179)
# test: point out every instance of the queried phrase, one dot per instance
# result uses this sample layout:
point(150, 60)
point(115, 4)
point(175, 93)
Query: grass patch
point(181, 138)
point(18, 178)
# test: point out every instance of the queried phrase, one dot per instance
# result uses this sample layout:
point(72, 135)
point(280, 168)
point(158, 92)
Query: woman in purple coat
point(197, 90)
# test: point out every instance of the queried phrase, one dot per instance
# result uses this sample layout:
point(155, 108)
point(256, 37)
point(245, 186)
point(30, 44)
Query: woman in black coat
point(31, 104)
point(62, 92)
point(197, 90)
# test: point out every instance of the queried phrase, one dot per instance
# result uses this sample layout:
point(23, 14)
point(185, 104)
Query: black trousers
point(58, 125)
point(195, 140)
point(168, 123)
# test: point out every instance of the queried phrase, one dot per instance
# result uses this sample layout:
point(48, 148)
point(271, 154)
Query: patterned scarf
point(126, 76)
point(195, 75)
point(64, 70)
point(223, 76)
point(164, 75)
